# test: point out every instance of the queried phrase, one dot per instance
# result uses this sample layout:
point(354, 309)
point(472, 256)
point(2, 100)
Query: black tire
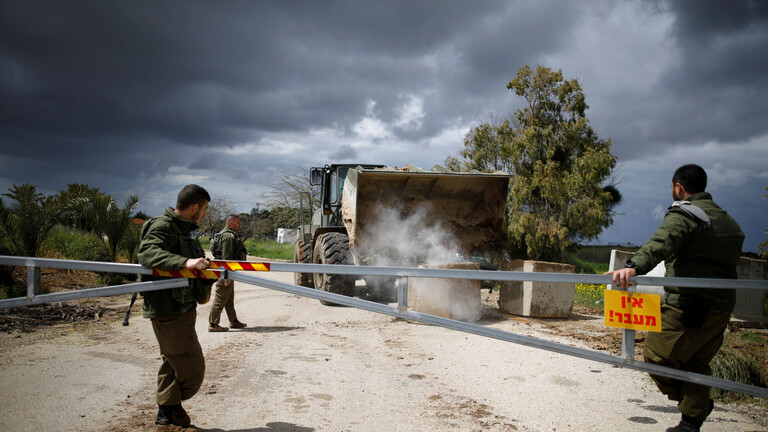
point(333, 248)
point(302, 255)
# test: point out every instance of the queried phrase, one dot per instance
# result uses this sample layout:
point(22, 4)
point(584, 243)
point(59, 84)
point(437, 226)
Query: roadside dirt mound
point(27, 318)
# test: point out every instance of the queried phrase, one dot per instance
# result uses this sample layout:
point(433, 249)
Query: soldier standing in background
point(232, 248)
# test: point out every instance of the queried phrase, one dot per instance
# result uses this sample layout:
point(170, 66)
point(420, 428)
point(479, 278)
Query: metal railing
point(625, 360)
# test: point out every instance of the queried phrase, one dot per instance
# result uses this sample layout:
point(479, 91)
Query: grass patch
point(742, 358)
point(588, 266)
point(205, 242)
point(269, 249)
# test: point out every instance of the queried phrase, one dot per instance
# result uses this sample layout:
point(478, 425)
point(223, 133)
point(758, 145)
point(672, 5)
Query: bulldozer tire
point(333, 248)
point(302, 255)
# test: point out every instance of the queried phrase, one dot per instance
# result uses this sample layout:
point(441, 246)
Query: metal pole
point(628, 337)
point(94, 292)
point(33, 281)
point(500, 335)
point(402, 293)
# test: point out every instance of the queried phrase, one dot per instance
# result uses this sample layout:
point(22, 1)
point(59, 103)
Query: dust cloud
point(395, 239)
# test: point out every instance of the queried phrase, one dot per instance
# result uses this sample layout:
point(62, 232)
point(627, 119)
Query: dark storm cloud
point(197, 73)
point(716, 90)
point(142, 97)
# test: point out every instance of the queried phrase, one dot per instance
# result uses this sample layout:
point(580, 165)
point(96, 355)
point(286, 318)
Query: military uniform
point(166, 244)
point(232, 248)
point(693, 319)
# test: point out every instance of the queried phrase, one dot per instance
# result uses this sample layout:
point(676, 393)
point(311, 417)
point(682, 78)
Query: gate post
point(402, 293)
point(628, 337)
point(33, 281)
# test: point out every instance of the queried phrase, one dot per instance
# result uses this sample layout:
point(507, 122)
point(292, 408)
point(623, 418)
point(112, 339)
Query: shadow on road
point(263, 329)
point(270, 427)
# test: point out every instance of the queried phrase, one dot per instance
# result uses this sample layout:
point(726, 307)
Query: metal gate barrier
point(626, 360)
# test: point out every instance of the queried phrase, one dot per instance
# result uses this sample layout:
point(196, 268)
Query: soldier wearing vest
point(696, 239)
point(232, 248)
point(166, 244)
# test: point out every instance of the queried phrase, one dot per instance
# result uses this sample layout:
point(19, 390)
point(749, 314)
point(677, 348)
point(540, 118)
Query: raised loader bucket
point(467, 207)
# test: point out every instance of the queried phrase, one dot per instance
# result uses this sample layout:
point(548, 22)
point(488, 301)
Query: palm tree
point(28, 220)
point(129, 244)
point(75, 199)
point(109, 221)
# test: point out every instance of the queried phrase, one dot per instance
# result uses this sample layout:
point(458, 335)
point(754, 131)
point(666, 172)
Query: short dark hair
point(692, 177)
point(190, 195)
point(232, 217)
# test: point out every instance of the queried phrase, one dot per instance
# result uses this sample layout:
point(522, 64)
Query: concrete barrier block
point(537, 299)
point(457, 299)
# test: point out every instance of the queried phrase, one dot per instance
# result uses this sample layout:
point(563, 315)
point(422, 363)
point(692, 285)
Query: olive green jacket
point(166, 244)
point(692, 251)
point(232, 247)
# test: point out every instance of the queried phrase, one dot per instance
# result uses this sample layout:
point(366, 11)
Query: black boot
point(687, 424)
point(172, 415)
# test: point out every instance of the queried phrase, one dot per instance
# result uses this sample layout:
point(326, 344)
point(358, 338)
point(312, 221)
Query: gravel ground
point(301, 366)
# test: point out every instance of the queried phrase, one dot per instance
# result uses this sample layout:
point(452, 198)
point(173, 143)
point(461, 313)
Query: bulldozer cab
point(331, 180)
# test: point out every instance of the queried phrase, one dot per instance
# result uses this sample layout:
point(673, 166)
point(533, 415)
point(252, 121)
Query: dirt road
point(301, 366)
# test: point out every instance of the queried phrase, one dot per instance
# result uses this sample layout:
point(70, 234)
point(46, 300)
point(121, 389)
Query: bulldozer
point(466, 209)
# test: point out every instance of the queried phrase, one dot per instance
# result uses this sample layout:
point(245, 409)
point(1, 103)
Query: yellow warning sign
point(634, 311)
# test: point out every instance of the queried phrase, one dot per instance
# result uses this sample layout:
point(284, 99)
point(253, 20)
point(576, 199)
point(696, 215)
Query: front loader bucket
point(469, 207)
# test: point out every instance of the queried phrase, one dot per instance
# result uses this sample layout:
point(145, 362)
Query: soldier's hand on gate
point(622, 277)
point(196, 264)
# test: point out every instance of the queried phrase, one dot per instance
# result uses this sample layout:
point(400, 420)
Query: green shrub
point(75, 244)
point(13, 291)
point(734, 365)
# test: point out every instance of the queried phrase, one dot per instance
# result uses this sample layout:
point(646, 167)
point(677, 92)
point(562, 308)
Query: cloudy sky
point(143, 97)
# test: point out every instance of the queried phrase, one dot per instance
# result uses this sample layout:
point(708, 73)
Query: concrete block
point(537, 299)
point(619, 258)
point(749, 303)
point(457, 299)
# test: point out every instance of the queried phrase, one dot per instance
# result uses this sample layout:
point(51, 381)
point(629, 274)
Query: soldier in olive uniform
point(232, 248)
point(696, 239)
point(166, 244)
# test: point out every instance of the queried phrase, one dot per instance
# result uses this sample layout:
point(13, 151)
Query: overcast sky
point(143, 97)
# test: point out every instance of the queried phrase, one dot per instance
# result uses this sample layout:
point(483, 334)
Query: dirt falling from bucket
point(415, 240)
point(397, 239)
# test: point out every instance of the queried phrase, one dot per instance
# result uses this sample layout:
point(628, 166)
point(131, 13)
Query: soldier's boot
point(236, 324)
point(687, 424)
point(215, 328)
point(170, 416)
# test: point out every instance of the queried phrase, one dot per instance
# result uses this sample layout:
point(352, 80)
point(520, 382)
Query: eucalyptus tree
point(561, 191)
point(559, 166)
